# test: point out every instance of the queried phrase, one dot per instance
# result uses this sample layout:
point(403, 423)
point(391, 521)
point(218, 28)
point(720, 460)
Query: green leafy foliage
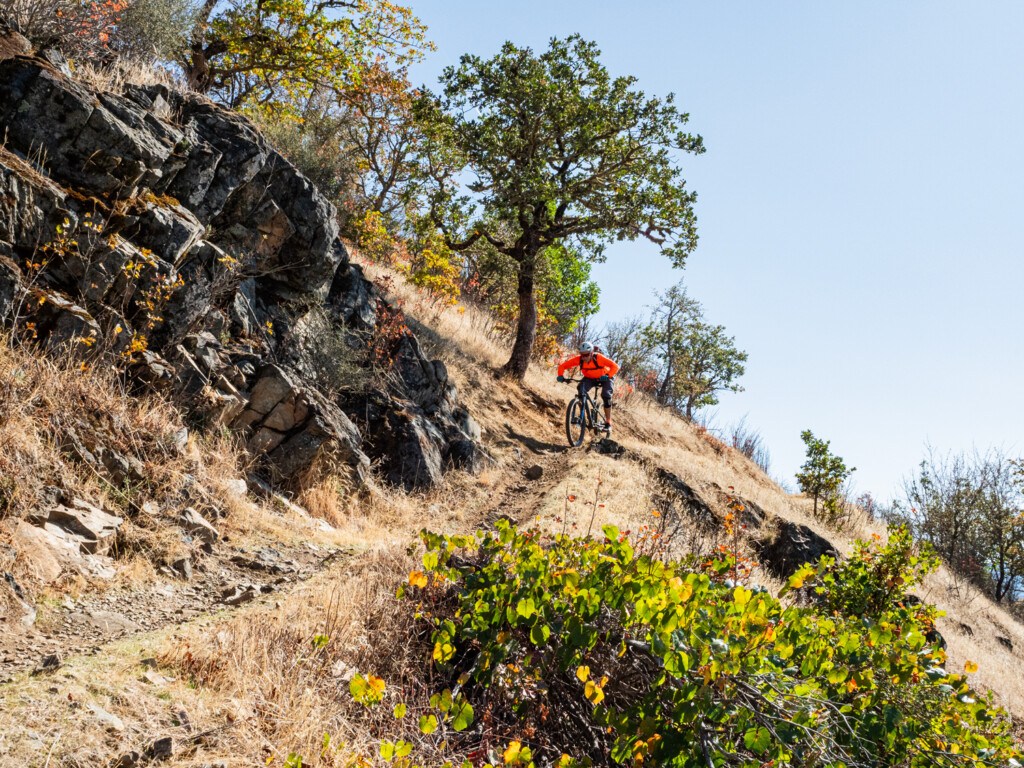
point(566, 294)
point(367, 690)
point(527, 151)
point(823, 475)
point(271, 56)
point(584, 653)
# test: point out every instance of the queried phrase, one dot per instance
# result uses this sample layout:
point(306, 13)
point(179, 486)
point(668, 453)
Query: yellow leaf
point(593, 692)
point(583, 672)
point(970, 667)
point(511, 754)
point(377, 685)
point(418, 579)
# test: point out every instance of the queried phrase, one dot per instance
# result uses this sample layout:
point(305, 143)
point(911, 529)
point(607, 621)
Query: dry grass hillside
point(462, 338)
point(250, 682)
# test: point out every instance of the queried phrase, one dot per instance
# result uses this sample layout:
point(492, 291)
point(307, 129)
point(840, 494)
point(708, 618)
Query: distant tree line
point(970, 508)
point(675, 355)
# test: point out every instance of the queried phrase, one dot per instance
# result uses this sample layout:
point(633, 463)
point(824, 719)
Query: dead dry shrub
point(289, 667)
point(57, 419)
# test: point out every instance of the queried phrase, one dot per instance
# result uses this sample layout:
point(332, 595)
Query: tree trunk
point(197, 71)
point(526, 327)
point(662, 396)
point(197, 65)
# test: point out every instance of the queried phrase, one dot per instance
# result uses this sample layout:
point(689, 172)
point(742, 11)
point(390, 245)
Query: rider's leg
point(606, 395)
point(586, 385)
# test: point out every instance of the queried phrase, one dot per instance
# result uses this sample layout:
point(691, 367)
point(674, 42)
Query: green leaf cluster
point(566, 292)
point(823, 475)
point(586, 653)
point(272, 56)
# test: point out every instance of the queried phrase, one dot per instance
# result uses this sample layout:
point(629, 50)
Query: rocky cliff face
point(162, 231)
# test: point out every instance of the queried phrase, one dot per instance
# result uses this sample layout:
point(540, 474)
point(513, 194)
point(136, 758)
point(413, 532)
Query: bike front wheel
point(575, 423)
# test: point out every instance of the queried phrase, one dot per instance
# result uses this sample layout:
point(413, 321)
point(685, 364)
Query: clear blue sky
point(860, 210)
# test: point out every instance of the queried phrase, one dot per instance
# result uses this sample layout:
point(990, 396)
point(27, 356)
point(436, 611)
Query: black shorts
point(606, 389)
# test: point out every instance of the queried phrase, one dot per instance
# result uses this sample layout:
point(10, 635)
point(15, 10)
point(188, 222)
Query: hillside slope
point(529, 423)
point(169, 593)
point(292, 576)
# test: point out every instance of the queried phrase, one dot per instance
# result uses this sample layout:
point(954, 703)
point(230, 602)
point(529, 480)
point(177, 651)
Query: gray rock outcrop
point(789, 546)
point(162, 229)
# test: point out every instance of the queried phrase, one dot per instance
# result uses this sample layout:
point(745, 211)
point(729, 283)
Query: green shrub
point(155, 28)
point(580, 652)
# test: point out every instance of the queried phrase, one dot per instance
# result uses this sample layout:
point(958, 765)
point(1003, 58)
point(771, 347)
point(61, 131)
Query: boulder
point(85, 144)
point(198, 526)
point(242, 311)
point(120, 469)
point(50, 551)
point(62, 325)
point(286, 229)
point(681, 492)
point(33, 206)
point(93, 527)
point(352, 297)
point(790, 546)
point(225, 153)
point(424, 381)
point(40, 557)
point(165, 228)
point(294, 425)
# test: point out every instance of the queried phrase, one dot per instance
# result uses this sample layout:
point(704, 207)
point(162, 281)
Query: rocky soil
point(66, 627)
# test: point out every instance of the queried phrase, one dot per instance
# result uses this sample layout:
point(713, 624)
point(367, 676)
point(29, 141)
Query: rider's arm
point(610, 366)
point(572, 362)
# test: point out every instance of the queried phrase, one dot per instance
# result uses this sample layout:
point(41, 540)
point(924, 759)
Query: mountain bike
point(582, 414)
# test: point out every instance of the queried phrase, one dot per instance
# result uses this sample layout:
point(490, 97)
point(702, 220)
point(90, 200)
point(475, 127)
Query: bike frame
point(591, 413)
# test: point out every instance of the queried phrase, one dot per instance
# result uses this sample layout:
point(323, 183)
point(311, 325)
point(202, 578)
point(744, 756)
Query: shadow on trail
point(535, 445)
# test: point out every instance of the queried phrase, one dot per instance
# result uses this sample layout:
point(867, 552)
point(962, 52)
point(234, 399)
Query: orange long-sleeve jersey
point(595, 368)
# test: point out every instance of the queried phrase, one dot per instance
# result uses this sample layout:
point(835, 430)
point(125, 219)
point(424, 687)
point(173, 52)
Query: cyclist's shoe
point(607, 429)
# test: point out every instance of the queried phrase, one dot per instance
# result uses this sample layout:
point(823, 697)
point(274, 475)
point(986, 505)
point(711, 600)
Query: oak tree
point(273, 55)
point(528, 150)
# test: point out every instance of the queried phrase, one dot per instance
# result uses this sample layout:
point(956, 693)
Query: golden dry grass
point(120, 73)
point(249, 688)
point(42, 402)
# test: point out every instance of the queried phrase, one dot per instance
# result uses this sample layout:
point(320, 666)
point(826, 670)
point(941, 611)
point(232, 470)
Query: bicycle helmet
point(586, 348)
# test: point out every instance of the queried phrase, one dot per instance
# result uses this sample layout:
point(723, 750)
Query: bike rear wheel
point(575, 423)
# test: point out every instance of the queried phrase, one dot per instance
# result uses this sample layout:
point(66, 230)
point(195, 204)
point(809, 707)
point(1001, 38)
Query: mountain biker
point(597, 370)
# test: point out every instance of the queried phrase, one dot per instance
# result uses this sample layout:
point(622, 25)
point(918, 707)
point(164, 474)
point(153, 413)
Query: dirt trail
point(534, 461)
point(229, 577)
point(530, 433)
